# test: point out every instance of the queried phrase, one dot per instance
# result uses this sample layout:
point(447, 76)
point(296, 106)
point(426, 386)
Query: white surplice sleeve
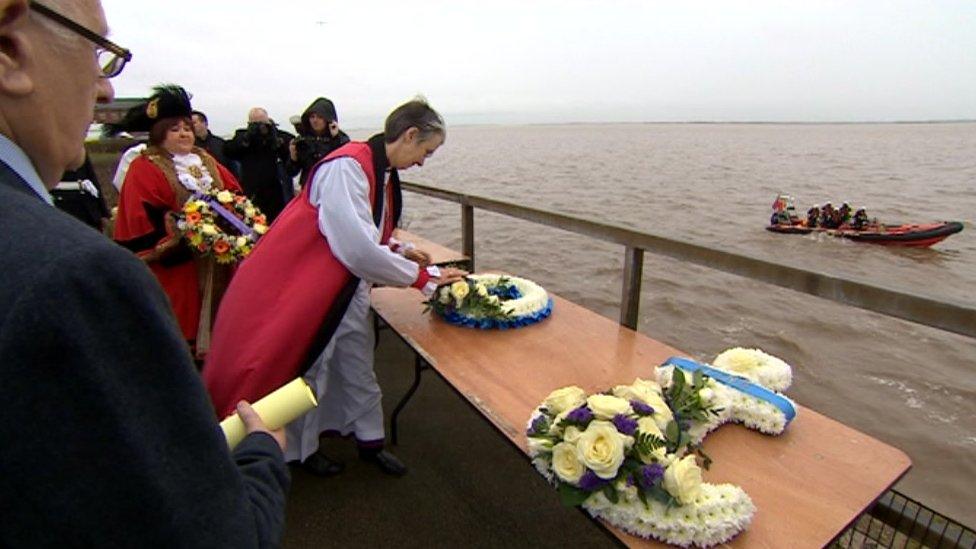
point(340, 191)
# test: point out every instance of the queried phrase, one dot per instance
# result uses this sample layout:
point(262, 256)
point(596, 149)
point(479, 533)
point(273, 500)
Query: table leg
point(418, 367)
point(376, 331)
point(378, 324)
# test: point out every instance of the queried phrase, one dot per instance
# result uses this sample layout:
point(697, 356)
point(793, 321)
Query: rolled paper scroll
point(278, 409)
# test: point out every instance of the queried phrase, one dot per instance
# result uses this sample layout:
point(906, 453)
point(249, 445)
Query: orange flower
point(239, 199)
point(259, 220)
point(193, 218)
point(220, 247)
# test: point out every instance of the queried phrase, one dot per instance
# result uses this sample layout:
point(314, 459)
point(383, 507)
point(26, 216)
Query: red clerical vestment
point(285, 301)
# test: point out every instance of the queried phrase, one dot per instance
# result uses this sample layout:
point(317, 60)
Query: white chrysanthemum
point(716, 516)
point(542, 465)
point(534, 297)
point(756, 366)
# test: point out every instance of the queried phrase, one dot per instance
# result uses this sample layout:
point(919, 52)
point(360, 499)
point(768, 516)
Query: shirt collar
point(14, 156)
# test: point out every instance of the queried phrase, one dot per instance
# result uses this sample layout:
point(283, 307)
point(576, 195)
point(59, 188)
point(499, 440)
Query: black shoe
point(387, 462)
point(319, 464)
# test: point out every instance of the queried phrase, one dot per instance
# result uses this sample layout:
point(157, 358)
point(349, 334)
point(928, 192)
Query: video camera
point(263, 133)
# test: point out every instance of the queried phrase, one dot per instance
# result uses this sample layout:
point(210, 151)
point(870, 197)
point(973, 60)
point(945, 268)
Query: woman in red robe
point(159, 181)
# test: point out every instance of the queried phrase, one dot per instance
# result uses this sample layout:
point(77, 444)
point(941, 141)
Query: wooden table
point(808, 484)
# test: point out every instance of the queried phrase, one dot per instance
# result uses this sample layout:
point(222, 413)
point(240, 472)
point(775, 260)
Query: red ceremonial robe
point(148, 195)
point(287, 298)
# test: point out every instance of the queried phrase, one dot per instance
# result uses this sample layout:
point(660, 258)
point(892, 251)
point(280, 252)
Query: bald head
point(257, 114)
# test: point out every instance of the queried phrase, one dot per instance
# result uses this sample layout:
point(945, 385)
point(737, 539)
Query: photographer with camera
point(318, 135)
point(262, 150)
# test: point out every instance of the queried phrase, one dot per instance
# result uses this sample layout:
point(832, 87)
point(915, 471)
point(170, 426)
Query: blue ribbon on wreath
point(738, 383)
point(458, 319)
point(220, 210)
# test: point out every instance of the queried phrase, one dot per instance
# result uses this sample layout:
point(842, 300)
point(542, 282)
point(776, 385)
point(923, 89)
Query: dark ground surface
point(467, 485)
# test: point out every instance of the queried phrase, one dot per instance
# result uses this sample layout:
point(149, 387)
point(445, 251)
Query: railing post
point(467, 233)
point(631, 294)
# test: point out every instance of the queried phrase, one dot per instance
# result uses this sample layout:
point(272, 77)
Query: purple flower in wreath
point(580, 416)
point(641, 408)
point(624, 424)
point(649, 474)
point(590, 482)
point(539, 425)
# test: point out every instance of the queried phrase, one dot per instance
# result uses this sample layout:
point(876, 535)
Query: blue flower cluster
point(505, 293)
point(489, 323)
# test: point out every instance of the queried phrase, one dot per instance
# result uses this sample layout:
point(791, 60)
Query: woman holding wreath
point(157, 185)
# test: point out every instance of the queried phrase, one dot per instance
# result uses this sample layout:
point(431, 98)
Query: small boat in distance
point(859, 229)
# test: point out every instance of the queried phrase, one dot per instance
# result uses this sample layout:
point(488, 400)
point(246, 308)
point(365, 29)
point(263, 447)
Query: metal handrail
point(949, 315)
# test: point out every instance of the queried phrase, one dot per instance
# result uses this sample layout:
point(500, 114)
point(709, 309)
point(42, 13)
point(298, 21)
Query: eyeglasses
point(111, 57)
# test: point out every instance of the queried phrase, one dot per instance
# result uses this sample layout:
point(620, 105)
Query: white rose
point(641, 387)
point(683, 479)
point(566, 463)
point(481, 289)
point(209, 229)
point(459, 289)
point(241, 241)
point(706, 395)
point(601, 448)
point(648, 425)
point(565, 399)
point(250, 212)
point(645, 391)
point(225, 196)
point(572, 434)
point(606, 406)
point(445, 297)
point(260, 229)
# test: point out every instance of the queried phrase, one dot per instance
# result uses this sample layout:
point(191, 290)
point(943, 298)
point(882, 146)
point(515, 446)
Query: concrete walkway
point(467, 485)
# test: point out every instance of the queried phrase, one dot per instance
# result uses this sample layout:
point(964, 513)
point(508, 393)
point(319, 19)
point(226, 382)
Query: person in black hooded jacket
point(319, 134)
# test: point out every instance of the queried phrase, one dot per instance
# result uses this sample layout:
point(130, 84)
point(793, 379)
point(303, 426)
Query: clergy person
point(300, 303)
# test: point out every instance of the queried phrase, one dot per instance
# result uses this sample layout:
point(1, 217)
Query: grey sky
point(558, 61)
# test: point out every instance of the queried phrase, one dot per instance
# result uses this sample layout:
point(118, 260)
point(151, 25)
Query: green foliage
point(646, 443)
point(643, 498)
point(472, 305)
point(659, 494)
point(685, 402)
point(571, 496)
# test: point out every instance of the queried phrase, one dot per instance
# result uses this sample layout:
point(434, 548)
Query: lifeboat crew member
point(813, 214)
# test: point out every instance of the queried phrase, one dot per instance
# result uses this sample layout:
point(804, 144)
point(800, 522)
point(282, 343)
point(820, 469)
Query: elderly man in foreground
point(108, 438)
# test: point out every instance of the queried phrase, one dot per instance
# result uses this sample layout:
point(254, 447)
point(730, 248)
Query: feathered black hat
point(167, 101)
